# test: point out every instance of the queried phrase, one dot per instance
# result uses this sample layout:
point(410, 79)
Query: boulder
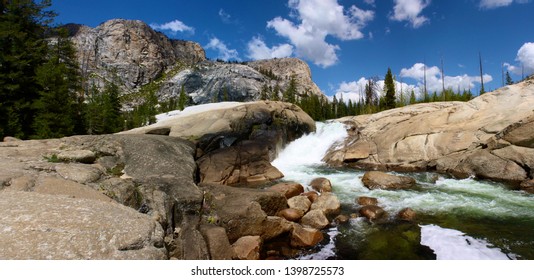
point(328, 203)
point(321, 185)
point(11, 139)
point(55, 227)
point(248, 248)
point(291, 214)
point(301, 203)
point(218, 245)
point(365, 200)
point(289, 190)
point(311, 195)
point(315, 219)
point(372, 212)
point(459, 138)
point(81, 173)
point(341, 219)
point(302, 237)
point(237, 141)
point(275, 226)
point(407, 214)
point(244, 211)
point(380, 180)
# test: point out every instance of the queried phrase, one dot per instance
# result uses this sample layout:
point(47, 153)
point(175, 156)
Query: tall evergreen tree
point(389, 89)
point(291, 92)
point(412, 97)
point(58, 78)
point(182, 100)
point(23, 49)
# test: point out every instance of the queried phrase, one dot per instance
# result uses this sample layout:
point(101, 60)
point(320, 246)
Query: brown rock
point(311, 195)
point(341, 219)
point(291, 214)
point(301, 203)
point(380, 180)
point(328, 203)
point(372, 212)
point(218, 245)
point(315, 219)
point(248, 248)
point(321, 185)
point(407, 214)
point(528, 186)
point(289, 190)
point(364, 200)
point(11, 139)
point(274, 227)
point(305, 237)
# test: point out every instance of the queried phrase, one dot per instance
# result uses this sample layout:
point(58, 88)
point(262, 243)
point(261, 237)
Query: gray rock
point(51, 227)
point(82, 156)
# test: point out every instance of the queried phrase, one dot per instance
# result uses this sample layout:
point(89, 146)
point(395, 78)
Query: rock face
point(488, 137)
point(236, 144)
point(131, 51)
point(153, 175)
point(56, 227)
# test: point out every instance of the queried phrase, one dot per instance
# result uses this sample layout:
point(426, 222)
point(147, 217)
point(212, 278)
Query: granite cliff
point(132, 54)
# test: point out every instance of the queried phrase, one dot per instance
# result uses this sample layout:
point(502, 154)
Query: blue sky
point(345, 41)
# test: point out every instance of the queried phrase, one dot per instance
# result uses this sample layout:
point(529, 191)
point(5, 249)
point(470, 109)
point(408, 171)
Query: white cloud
point(257, 49)
point(490, 4)
point(493, 4)
point(410, 10)
point(224, 52)
point(317, 20)
point(355, 90)
point(434, 81)
point(525, 56)
point(174, 26)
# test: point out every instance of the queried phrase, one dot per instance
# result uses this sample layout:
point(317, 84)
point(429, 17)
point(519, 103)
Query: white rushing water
point(450, 244)
point(301, 161)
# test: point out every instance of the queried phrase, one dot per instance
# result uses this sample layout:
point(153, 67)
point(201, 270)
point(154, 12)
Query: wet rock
point(328, 203)
point(311, 195)
point(289, 190)
point(315, 219)
point(380, 180)
point(407, 214)
point(305, 237)
point(372, 212)
point(341, 219)
point(527, 186)
point(290, 214)
point(248, 248)
point(321, 185)
point(301, 203)
point(364, 200)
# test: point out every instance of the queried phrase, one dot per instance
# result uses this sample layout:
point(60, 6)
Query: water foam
point(450, 244)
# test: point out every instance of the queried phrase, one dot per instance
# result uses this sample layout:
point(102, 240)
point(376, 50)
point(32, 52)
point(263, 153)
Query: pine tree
point(23, 49)
point(264, 94)
point(182, 100)
point(59, 81)
point(389, 88)
point(509, 80)
point(274, 93)
point(412, 97)
point(114, 121)
point(291, 92)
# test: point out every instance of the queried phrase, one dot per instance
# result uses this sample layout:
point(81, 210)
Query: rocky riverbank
point(489, 137)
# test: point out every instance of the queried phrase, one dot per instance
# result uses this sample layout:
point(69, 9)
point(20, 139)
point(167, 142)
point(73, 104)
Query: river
point(456, 219)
